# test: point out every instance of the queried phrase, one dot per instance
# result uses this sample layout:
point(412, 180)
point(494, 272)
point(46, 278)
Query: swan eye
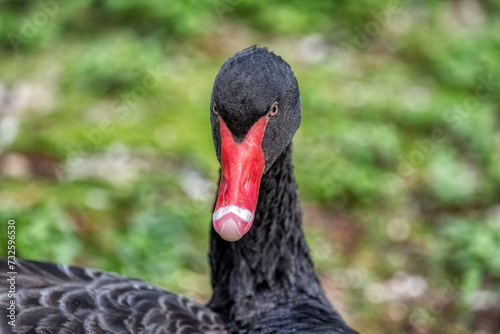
point(274, 109)
point(214, 109)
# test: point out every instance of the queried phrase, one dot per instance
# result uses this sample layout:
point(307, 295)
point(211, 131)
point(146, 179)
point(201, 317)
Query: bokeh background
point(106, 158)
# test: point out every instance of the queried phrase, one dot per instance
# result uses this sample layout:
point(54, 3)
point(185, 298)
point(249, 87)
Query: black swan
point(262, 274)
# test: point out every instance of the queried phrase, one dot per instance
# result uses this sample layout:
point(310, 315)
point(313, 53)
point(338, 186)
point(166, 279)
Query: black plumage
point(266, 282)
point(52, 298)
point(263, 283)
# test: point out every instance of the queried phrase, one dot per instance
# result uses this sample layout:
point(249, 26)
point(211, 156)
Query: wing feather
point(54, 298)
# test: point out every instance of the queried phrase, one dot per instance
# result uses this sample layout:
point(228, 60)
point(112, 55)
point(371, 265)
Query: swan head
point(255, 110)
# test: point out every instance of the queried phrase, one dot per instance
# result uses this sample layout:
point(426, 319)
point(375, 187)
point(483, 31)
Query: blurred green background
point(106, 158)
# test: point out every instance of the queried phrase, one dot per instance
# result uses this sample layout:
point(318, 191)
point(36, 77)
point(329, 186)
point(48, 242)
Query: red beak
point(242, 165)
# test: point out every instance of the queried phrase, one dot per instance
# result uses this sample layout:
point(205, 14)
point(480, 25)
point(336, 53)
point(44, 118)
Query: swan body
point(263, 277)
point(56, 298)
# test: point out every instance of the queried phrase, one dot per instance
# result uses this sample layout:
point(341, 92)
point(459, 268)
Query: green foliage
point(471, 249)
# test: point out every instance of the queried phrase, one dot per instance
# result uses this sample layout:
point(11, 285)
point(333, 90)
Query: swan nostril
point(246, 185)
